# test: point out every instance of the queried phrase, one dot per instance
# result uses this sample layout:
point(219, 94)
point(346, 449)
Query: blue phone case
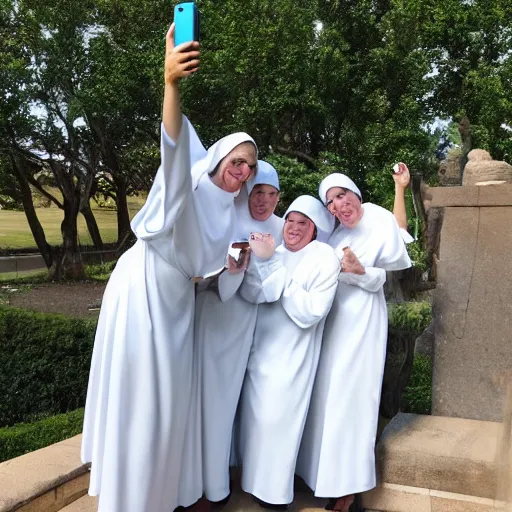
point(186, 19)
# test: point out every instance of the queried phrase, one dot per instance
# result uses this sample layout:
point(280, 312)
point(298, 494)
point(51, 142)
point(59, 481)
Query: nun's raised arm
point(180, 148)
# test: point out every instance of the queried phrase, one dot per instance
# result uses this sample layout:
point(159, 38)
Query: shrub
point(100, 271)
point(407, 321)
point(417, 396)
point(44, 361)
point(412, 317)
point(27, 437)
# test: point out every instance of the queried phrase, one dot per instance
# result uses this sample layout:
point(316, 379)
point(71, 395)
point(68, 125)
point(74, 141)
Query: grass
point(15, 232)
point(26, 276)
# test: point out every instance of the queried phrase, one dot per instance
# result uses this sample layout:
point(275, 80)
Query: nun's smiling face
point(298, 231)
point(263, 201)
point(345, 205)
point(236, 168)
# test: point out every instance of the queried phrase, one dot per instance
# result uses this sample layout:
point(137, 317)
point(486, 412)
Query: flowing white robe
point(295, 291)
point(224, 333)
point(145, 456)
point(337, 452)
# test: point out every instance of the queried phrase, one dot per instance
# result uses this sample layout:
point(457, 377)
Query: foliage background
point(338, 85)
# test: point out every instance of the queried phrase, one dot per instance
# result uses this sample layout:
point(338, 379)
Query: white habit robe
point(337, 452)
point(142, 385)
point(224, 333)
point(295, 291)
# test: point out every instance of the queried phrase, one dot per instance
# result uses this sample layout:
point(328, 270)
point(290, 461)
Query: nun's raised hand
point(401, 175)
point(262, 245)
point(181, 60)
point(350, 263)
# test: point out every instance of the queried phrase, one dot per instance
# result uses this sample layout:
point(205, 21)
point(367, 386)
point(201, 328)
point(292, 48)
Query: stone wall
point(473, 302)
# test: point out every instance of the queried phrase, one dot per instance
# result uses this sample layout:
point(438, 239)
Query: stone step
point(84, 504)
point(240, 502)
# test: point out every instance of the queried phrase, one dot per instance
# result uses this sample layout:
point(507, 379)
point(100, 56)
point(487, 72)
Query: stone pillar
point(473, 302)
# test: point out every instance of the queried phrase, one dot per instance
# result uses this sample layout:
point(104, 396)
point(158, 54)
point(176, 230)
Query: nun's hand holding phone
point(181, 60)
point(235, 266)
point(401, 175)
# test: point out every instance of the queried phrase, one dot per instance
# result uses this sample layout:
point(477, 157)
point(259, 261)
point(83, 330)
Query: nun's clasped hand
point(181, 60)
point(262, 245)
point(350, 263)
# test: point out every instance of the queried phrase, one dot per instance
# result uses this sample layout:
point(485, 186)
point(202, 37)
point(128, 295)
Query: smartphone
point(186, 20)
point(240, 244)
point(398, 168)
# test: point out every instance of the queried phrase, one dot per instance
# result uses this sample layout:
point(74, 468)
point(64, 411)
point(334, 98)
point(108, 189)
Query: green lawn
point(15, 232)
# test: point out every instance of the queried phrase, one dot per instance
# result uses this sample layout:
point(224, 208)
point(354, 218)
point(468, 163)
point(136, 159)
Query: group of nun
point(276, 362)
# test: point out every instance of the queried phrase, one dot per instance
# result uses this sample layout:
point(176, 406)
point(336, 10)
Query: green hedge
point(27, 437)
point(44, 362)
point(412, 317)
point(417, 396)
point(407, 321)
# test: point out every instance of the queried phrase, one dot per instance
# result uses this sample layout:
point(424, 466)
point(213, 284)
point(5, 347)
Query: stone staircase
point(426, 464)
point(84, 504)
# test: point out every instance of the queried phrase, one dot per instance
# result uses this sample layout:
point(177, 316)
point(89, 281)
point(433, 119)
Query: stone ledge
point(475, 195)
point(45, 480)
point(401, 498)
point(85, 504)
point(446, 454)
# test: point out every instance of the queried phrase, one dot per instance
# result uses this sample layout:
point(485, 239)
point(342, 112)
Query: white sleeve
point(406, 236)
point(392, 254)
point(229, 284)
point(172, 186)
point(372, 280)
point(307, 306)
point(264, 280)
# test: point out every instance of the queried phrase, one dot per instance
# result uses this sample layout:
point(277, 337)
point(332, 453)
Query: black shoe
point(270, 506)
point(217, 505)
point(356, 505)
point(331, 503)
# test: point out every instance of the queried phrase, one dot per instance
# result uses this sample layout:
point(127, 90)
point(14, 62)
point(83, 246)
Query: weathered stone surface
point(450, 171)
point(482, 169)
point(492, 195)
point(473, 313)
point(454, 196)
point(449, 502)
point(479, 155)
point(444, 454)
point(44, 480)
point(424, 344)
point(85, 504)
point(397, 498)
point(495, 195)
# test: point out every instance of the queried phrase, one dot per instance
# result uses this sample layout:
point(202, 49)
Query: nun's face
point(236, 168)
point(263, 201)
point(298, 231)
point(345, 205)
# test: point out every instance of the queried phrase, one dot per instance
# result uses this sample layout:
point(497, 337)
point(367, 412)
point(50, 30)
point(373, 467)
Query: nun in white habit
point(295, 289)
point(337, 454)
point(224, 333)
point(142, 382)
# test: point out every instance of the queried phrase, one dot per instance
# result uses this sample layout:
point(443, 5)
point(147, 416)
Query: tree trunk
point(123, 216)
point(30, 212)
point(92, 226)
point(69, 264)
point(467, 143)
